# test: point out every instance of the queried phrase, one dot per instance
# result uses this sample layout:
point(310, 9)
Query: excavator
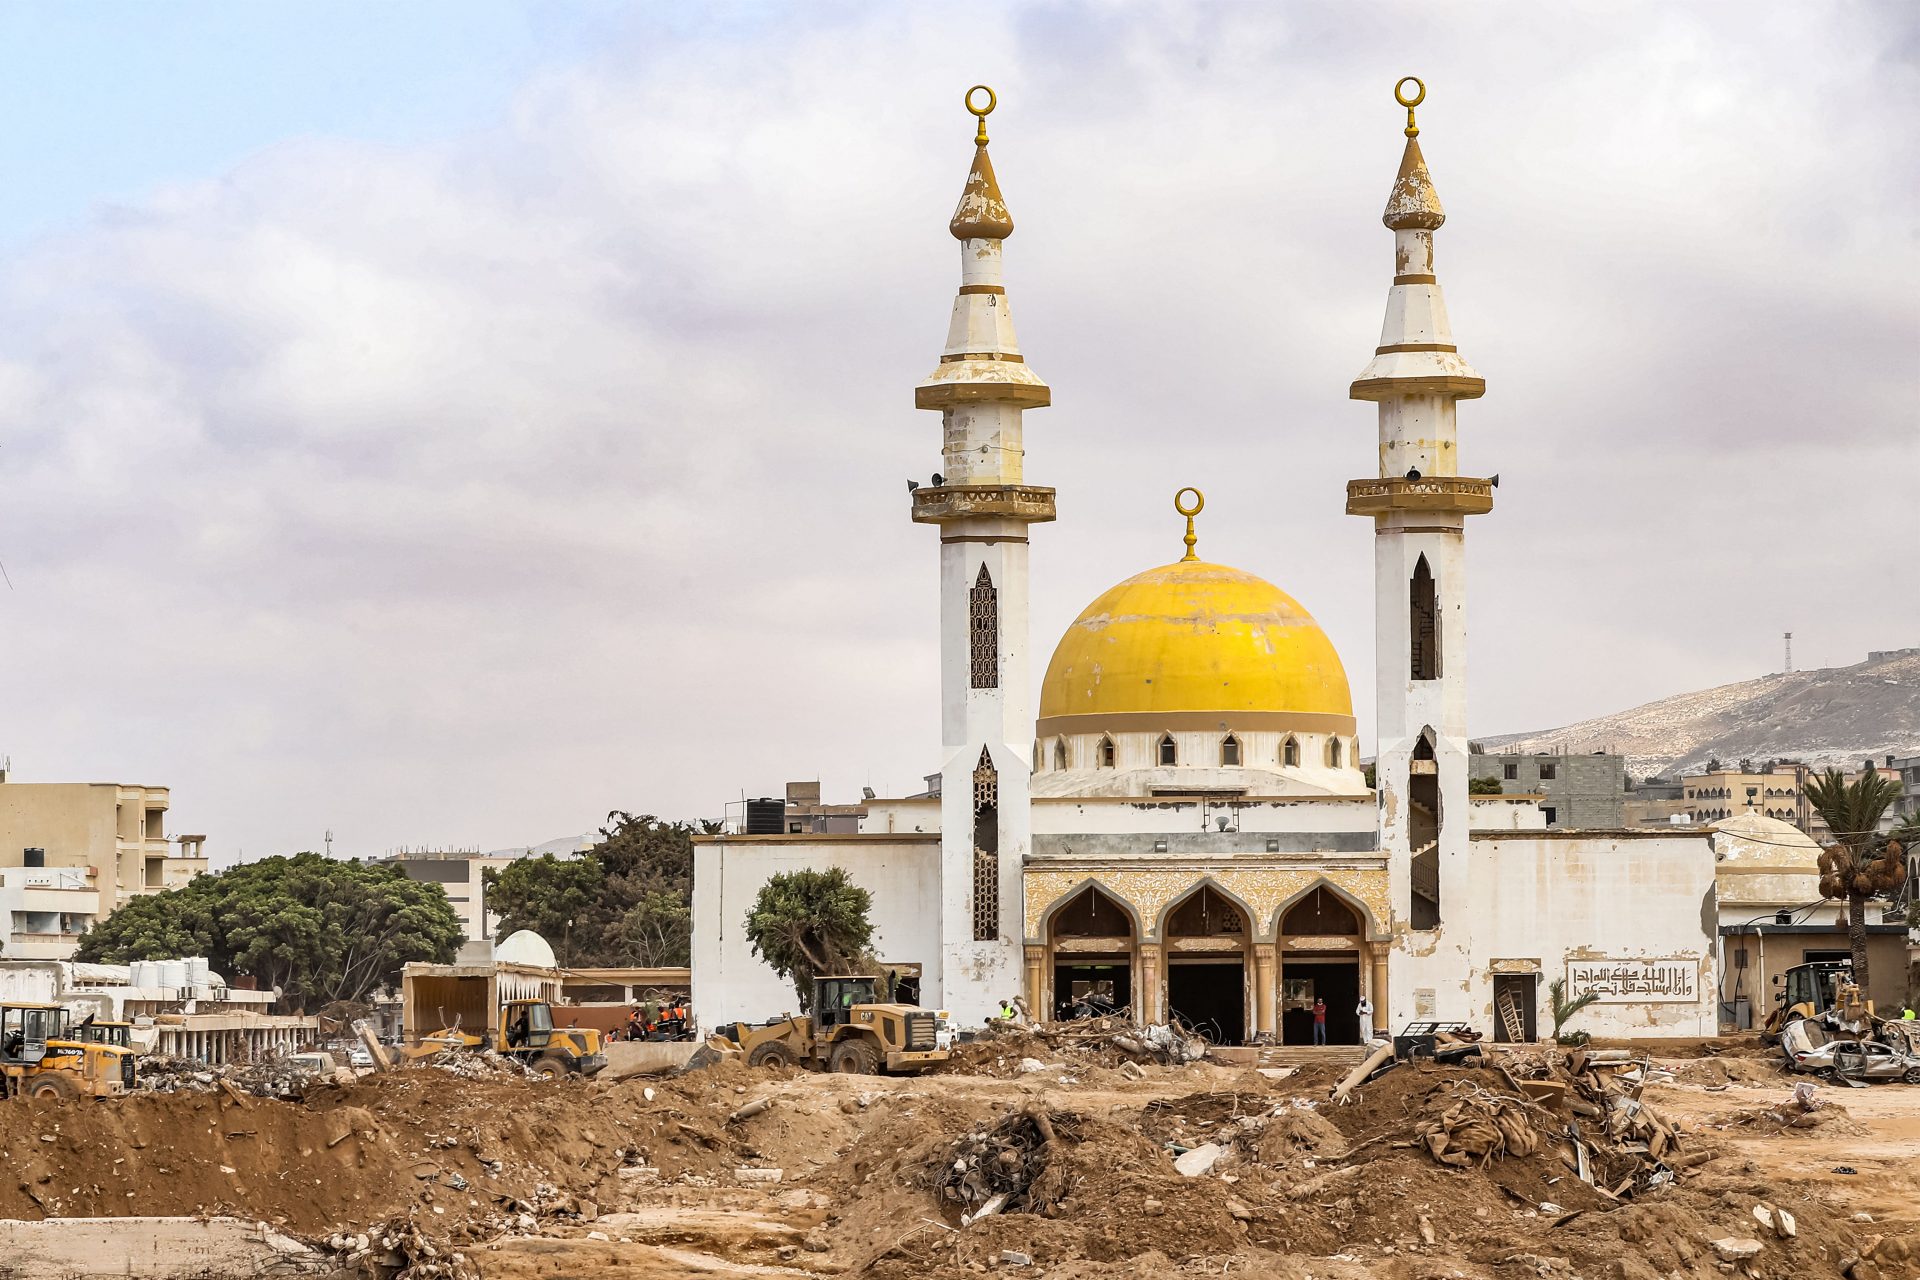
point(849, 1031)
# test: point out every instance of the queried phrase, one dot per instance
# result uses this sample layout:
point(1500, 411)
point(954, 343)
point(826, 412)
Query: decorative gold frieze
point(1261, 889)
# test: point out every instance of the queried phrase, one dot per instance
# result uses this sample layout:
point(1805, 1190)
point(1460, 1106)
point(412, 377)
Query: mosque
point(1186, 826)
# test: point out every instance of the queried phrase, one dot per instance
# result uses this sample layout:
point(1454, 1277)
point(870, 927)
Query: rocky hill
point(1835, 715)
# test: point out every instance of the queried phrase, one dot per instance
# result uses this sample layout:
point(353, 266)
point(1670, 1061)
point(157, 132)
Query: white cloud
point(462, 493)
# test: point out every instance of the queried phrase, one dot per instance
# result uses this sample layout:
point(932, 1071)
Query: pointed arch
point(1334, 753)
point(1104, 753)
point(1290, 752)
point(1423, 623)
point(1205, 882)
point(1108, 894)
point(1169, 750)
point(1059, 753)
point(1368, 924)
point(1230, 751)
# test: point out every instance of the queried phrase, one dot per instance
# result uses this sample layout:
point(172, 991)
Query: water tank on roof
point(143, 973)
point(173, 973)
point(766, 817)
point(198, 973)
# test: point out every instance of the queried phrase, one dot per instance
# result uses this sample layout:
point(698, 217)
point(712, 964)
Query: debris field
point(1048, 1153)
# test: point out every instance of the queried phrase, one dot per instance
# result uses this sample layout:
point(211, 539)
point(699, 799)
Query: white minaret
point(1419, 505)
point(982, 505)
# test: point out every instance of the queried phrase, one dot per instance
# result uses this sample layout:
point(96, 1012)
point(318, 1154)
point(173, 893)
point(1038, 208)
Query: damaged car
point(1808, 1049)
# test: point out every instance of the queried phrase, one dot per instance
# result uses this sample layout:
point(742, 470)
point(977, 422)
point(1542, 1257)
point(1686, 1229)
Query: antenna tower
point(1789, 638)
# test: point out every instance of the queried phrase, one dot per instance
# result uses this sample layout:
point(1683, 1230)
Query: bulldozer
point(849, 1031)
point(41, 1057)
point(1821, 989)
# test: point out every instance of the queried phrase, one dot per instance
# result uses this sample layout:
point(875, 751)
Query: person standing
point(1319, 1020)
point(1365, 1010)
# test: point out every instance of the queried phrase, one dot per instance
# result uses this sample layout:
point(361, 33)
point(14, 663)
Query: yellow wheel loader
point(850, 1031)
point(1822, 989)
point(40, 1057)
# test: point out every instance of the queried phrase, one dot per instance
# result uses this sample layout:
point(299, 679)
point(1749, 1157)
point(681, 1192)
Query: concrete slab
point(646, 1057)
point(155, 1249)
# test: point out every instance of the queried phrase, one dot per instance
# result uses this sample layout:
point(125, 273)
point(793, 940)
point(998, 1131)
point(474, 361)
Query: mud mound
point(459, 1152)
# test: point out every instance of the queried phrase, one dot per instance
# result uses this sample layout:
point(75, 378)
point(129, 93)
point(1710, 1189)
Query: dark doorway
point(1090, 985)
point(1210, 996)
point(1515, 1007)
point(1335, 981)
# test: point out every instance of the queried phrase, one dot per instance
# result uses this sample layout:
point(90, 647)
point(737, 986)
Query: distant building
point(800, 814)
point(177, 1007)
point(462, 874)
point(1582, 791)
point(70, 852)
point(1778, 792)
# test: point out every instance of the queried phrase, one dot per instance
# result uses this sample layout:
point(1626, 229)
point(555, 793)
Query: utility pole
point(1789, 636)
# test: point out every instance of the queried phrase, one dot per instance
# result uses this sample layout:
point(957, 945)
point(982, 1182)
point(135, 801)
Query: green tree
point(557, 898)
point(627, 901)
point(805, 923)
point(1483, 787)
point(1861, 864)
point(319, 930)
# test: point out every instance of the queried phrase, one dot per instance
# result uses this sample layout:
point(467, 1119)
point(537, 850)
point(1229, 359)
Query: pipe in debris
point(1343, 1092)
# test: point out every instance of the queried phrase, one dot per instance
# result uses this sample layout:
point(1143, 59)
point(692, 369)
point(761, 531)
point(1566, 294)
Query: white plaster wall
point(1491, 813)
point(1611, 895)
point(731, 984)
point(918, 814)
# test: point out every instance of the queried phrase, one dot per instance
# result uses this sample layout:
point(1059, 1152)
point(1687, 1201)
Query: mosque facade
point(1184, 826)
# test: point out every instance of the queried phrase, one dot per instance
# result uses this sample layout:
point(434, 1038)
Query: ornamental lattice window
point(983, 629)
point(1424, 623)
point(986, 849)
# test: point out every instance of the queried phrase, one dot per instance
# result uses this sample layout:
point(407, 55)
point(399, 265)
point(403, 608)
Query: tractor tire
point(854, 1058)
point(550, 1066)
point(52, 1089)
point(774, 1053)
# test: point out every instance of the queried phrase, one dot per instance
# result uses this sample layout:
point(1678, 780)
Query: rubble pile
point(400, 1249)
point(1479, 1125)
point(1003, 1049)
point(1012, 1167)
point(266, 1078)
point(476, 1064)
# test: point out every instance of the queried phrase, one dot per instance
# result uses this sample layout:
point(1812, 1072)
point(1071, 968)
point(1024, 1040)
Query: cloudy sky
point(442, 424)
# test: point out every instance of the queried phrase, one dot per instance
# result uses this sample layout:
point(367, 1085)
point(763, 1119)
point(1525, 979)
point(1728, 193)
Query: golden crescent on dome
point(1413, 130)
point(1181, 505)
point(981, 113)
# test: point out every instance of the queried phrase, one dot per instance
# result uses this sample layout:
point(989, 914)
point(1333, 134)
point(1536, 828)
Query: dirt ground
point(649, 1179)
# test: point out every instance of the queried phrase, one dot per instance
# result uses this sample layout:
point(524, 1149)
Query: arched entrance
point(1321, 942)
point(1091, 938)
point(1208, 937)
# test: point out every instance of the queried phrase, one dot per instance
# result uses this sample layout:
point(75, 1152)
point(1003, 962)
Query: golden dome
point(1194, 645)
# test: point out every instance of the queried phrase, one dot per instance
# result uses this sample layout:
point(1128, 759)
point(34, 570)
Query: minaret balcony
point(1455, 495)
point(946, 503)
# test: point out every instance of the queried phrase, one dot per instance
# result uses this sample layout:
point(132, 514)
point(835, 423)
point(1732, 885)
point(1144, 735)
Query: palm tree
point(1860, 864)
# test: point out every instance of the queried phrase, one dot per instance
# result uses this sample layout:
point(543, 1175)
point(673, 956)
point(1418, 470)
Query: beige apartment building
point(1728, 793)
point(70, 852)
